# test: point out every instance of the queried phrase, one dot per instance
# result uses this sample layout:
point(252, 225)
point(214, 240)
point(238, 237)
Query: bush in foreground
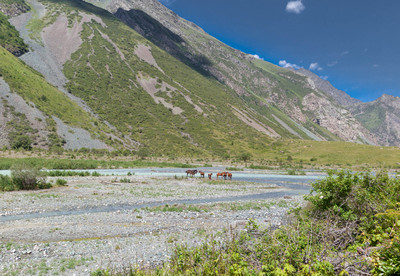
point(23, 177)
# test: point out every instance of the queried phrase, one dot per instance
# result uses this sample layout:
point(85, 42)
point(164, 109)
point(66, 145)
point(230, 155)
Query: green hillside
point(9, 37)
point(197, 116)
point(161, 93)
point(36, 90)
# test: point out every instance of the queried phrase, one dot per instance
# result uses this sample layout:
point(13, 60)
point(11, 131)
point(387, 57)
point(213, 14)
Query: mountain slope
point(381, 117)
point(276, 93)
point(37, 108)
point(9, 37)
point(139, 77)
point(147, 95)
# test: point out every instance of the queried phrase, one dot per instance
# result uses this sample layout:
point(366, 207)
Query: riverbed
point(118, 219)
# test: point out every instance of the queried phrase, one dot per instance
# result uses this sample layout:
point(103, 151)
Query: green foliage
point(176, 208)
point(72, 164)
point(61, 182)
point(6, 183)
point(245, 156)
point(66, 173)
point(9, 37)
point(125, 180)
point(25, 177)
point(353, 196)
point(21, 141)
point(233, 169)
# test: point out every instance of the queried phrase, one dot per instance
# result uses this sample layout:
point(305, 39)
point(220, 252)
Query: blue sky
point(355, 44)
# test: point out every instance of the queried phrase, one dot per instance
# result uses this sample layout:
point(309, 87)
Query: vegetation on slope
point(28, 83)
point(339, 154)
point(109, 82)
point(9, 37)
point(13, 7)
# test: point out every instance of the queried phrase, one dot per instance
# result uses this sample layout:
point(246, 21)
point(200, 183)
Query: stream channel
point(296, 185)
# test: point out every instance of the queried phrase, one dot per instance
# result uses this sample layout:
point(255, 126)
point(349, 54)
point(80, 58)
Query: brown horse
point(209, 176)
point(229, 176)
point(191, 172)
point(201, 174)
point(223, 174)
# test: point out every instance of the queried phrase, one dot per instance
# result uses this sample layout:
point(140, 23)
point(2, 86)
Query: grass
point(68, 164)
point(159, 131)
point(216, 133)
point(226, 206)
point(9, 36)
point(233, 169)
point(33, 88)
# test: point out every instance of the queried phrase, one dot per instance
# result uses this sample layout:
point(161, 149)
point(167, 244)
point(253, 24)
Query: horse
point(201, 174)
point(223, 174)
point(229, 176)
point(209, 176)
point(191, 172)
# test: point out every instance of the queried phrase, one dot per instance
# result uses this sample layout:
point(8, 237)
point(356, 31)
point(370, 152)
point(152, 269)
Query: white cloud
point(324, 77)
point(257, 57)
point(315, 67)
point(285, 64)
point(295, 6)
point(375, 65)
point(345, 53)
point(333, 63)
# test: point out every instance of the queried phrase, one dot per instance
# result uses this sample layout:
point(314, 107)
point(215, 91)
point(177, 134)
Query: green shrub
point(25, 177)
point(125, 180)
point(291, 172)
point(355, 195)
point(21, 141)
point(6, 183)
point(61, 182)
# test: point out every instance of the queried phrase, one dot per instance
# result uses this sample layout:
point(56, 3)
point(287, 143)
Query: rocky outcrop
point(325, 86)
point(337, 120)
point(13, 9)
point(382, 118)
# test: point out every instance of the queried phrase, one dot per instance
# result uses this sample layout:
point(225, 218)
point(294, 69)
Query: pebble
point(115, 239)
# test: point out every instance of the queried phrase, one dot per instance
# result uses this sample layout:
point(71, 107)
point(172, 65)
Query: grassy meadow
point(281, 154)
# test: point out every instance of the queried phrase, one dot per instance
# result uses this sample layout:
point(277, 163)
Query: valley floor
point(112, 222)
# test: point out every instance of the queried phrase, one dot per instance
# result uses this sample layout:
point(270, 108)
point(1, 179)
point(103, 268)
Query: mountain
point(9, 38)
point(325, 86)
point(382, 118)
point(280, 95)
point(131, 74)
